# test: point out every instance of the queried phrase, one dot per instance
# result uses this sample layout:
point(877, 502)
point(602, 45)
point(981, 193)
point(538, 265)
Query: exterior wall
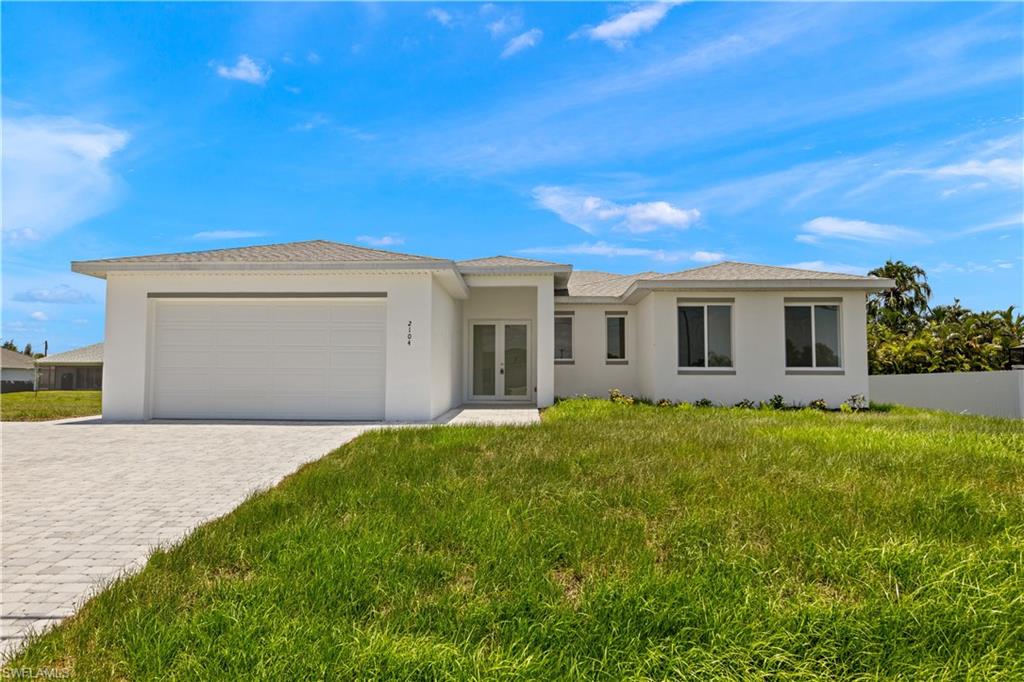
point(129, 318)
point(445, 351)
point(997, 394)
point(758, 347)
point(758, 339)
point(497, 297)
point(14, 379)
point(589, 374)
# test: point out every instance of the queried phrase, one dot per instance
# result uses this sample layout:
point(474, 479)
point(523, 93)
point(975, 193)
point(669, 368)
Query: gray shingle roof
point(605, 284)
point(86, 355)
point(12, 359)
point(507, 262)
point(732, 271)
point(314, 251)
point(596, 283)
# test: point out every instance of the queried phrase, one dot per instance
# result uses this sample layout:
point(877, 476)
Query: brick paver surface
point(84, 500)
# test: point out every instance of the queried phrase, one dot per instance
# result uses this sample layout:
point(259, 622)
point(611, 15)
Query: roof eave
point(584, 300)
point(48, 362)
point(102, 268)
point(514, 269)
point(637, 290)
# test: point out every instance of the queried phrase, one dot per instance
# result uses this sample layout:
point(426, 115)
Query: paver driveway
point(85, 500)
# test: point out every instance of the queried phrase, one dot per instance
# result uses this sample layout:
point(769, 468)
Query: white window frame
point(732, 349)
point(568, 314)
point(624, 360)
point(814, 337)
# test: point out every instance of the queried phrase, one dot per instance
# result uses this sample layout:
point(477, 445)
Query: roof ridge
point(264, 247)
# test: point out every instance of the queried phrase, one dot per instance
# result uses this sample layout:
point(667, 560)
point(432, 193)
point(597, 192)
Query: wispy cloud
point(313, 57)
point(523, 41)
point(1014, 221)
point(441, 16)
point(593, 214)
point(39, 316)
point(62, 293)
point(505, 24)
point(311, 123)
point(826, 266)
point(617, 31)
point(827, 227)
point(1003, 171)
point(213, 235)
point(245, 70)
point(619, 251)
point(973, 267)
point(56, 174)
point(383, 240)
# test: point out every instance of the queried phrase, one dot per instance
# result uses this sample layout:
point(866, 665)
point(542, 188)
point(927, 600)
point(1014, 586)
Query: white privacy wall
point(129, 319)
point(996, 394)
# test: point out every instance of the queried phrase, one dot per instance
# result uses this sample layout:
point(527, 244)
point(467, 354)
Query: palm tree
point(908, 299)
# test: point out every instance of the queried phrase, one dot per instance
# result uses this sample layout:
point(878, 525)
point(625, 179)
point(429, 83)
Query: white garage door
point(314, 358)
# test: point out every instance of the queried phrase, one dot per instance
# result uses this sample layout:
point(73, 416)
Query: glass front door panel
point(516, 375)
point(484, 358)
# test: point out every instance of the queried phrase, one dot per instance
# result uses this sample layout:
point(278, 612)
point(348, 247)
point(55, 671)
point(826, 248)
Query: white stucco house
point(322, 330)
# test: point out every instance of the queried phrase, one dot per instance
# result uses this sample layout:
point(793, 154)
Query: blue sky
point(620, 137)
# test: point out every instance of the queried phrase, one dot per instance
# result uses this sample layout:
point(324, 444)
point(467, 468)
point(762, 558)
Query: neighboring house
point(17, 371)
point(80, 369)
point(321, 330)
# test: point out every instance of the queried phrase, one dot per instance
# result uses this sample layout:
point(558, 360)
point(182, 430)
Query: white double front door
point(500, 360)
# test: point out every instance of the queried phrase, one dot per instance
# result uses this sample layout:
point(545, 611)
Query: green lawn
point(33, 407)
point(610, 541)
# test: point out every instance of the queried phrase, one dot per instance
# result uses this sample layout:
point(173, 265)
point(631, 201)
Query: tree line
point(27, 350)
point(908, 336)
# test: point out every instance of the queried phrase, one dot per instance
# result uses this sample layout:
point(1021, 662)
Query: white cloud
point(827, 227)
point(79, 321)
point(292, 89)
point(212, 235)
point(523, 41)
point(39, 316)
point(440, 16)
point(56, 174)
point(617, 31)
point(312, 57)
point(592, 214)
point(506, 23)
point(245, 70)
point(706, 256)
point(61, 293)
point(826, 266)
point(384, 240)
point(617, 251)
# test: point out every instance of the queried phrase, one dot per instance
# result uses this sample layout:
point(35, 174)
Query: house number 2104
point(408, 337)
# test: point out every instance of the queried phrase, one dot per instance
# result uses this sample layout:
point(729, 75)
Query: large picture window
point(563, 337)
point(705, 335)
point(812, 335)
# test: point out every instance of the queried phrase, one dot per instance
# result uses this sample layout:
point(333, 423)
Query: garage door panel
point(281, 359)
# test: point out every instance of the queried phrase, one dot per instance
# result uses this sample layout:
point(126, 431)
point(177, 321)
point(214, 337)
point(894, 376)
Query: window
point(563, 337)
point(705, 335)
point(812, 335)
point(616, 325)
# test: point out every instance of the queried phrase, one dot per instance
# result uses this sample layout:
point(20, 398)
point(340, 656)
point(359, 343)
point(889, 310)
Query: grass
point(610, 542)
point(28, 406)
